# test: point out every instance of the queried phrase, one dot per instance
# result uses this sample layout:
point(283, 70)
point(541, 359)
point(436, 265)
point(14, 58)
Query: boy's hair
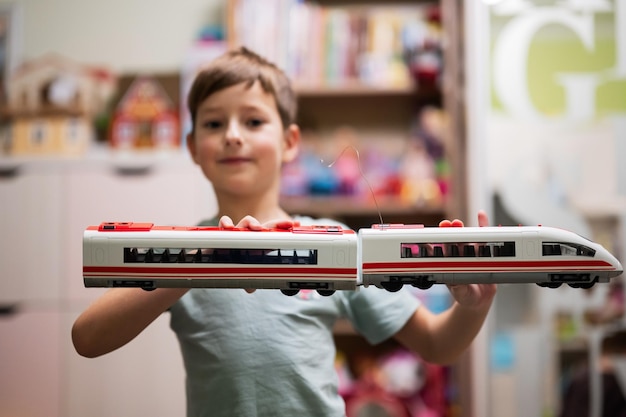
point(243, 66)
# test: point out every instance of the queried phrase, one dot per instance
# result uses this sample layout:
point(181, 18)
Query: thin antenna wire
point(358, 158)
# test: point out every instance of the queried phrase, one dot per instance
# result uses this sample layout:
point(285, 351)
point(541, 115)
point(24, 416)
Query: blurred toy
point(52, 102)
point(418, 176)
point(397, 384)
point(322, 179)
point(368, 396)
point(294, 179)
point(347, 164)
point(423, 48)
point(424, 167)
point(145, 118)
point(346, 381)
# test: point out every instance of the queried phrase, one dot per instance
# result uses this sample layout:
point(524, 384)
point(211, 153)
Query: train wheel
point(587, 285)
point(392, 286)
point(549, 284)
point(290, 293)
point(326, 293)
point(423, 284)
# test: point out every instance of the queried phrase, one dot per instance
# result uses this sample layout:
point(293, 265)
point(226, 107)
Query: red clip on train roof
point(124, 227)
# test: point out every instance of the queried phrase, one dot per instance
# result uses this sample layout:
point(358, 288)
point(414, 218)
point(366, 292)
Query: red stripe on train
point(430, 265)
point(225, 277)
point(219, 270)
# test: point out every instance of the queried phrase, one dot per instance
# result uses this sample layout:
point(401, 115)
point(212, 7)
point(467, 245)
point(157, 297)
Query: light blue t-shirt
point(267, 354)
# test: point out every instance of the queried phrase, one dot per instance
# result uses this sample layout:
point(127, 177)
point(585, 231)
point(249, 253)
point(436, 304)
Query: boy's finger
point(249, 222)
point(483, 219)
point(226, 222)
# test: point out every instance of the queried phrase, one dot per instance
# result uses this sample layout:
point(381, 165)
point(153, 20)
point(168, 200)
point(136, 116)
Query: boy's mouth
point(234, 160)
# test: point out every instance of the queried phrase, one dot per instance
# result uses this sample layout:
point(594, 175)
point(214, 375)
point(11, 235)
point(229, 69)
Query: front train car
point(395, 255)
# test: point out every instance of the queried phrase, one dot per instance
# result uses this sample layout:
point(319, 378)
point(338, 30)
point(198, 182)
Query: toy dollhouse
point(145, 117)
point(51, 104)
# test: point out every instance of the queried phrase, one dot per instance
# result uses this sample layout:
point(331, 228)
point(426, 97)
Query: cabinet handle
point(7, 310)
point(9, 170)
point(132, 171)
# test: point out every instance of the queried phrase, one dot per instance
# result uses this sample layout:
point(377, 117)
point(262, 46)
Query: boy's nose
point(233, 134)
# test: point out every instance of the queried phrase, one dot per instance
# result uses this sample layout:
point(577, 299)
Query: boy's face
point(239, 140)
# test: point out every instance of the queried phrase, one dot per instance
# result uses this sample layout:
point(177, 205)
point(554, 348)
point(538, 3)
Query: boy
point(264, 353)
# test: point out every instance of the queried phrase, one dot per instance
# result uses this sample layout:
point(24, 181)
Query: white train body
point(329, 258)
point(147, 256)
point(422, 256)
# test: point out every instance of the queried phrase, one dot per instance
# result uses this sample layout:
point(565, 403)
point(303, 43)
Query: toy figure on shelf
point(397, 384)
point(421, 386)
point(145, 118)
point(418, 176)
point(52, 102)
point(423, 50)
point(424, 166)
point(346, 164)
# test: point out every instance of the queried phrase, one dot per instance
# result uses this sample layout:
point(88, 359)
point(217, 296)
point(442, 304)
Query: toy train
point(330, 258)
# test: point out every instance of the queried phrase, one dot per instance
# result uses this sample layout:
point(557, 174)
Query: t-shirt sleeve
point(379, 314)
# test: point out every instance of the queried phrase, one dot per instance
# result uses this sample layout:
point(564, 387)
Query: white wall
point(123, 35)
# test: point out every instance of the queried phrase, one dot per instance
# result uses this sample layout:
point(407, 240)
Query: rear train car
point(322, 258)
point(394, 255)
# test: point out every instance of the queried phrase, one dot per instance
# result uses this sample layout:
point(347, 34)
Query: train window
point(491, 249)
point(503, 249)
point(219, 255)
point(566, 249)
point(469, 251)
point(457, 249)
point(418, 250)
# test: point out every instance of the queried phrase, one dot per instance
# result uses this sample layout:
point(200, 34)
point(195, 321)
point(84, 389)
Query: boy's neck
point(264, 211)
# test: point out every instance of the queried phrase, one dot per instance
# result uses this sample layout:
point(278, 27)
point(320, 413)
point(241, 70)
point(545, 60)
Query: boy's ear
point(191, 146)
point(291, 143)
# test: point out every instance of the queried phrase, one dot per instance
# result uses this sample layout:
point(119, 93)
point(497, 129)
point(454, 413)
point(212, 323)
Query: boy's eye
point(254, 122)
point(212, 124)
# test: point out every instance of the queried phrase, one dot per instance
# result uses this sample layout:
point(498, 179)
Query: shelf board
point(355, 88)
point(329, 206)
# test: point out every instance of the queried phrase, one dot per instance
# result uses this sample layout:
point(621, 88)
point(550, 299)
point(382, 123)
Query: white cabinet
point(45, 207)
point(30, 365)
point(144, 378)
point(30, 228)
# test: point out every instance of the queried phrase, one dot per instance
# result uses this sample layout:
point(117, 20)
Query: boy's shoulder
point(209, 222)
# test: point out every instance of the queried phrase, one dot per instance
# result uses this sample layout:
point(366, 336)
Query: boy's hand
point(471, 295)
point(251, 223)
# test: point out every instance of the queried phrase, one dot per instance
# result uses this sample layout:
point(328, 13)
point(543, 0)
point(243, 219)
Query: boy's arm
point(118, 316)
point(444, 337)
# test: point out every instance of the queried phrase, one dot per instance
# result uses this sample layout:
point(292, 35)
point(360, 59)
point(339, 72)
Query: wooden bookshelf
point(383, 112)
point(379, 110)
